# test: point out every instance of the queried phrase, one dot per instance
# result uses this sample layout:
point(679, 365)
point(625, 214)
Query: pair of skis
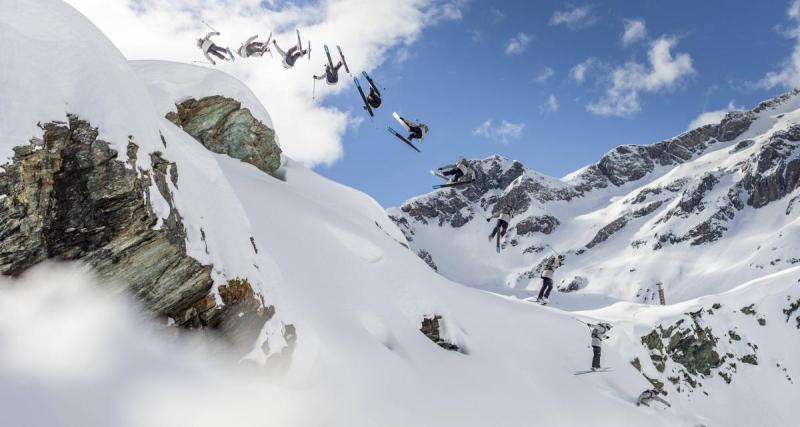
point(300, 43)
point(448, 184)
point(330, 60)
point(593, 371)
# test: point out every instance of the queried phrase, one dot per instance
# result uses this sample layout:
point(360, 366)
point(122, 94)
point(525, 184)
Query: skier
point(416, 130)
point(547, 278)
point(374, 98)
point(253, 48)
point(295, 52)
point(503, 218)
point(331, 74)
point(598, 333)
point(648, 396)
point(207, 46)
point(457, 171)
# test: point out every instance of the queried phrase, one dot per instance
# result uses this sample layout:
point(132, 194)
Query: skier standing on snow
point(253, 48)
point(598, 333)
point(547, 277)
point(207, 46)
point(503, 218)
point(648, 396)
point(331, 75)
point(290, 57)
point(458, 171)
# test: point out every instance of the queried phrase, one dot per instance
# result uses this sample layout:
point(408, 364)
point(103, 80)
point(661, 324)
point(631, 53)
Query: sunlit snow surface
point(331, 262)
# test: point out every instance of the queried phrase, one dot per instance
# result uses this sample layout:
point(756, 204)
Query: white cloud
point(502, 132)
point(789, 75)
point(368, 32)
point(635, 30)
point(552, 104)
point(712, 117)
point(475, 35)
point(574, 18)
point(517, 44)
point(578, 72)
point(664, 72)
point(545, 75)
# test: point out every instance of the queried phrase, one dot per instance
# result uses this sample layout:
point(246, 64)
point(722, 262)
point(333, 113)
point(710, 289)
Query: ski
point(400, 120)
point(309, 49)
point(346, 68)
point(363, 97)
point(438, 174)
point(299, 43)
point(591, 371)
point(371, 82)
point(451, 184)
point(402, 138)
point(266, 45)
point(328, 54)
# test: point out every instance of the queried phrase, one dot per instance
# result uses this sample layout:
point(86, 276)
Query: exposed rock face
point(223, 126)
point(430, 327)
point(69, 196)
point(577, 283)
point(428, 258)
point(540, 224)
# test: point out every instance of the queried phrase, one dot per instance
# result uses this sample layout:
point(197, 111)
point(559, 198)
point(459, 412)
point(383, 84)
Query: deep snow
point(333, 265)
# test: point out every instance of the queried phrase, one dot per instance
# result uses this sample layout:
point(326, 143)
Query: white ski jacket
point(502, 216)
point(243, 51)
point(551, 267)
point(598, 334)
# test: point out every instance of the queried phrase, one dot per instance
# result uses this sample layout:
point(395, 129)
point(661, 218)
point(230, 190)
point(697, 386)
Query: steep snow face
point(57, 62)
point(698, 213)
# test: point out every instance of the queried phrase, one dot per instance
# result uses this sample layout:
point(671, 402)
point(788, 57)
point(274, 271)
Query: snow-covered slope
point(373, 336)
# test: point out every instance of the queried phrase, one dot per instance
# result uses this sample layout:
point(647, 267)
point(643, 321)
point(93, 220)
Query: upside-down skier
point(293, 54)
point(651, 395)
point(415, 130)
point(208, 47)
point(253, 48)
point(331, 74)
point(503, 218)
point(598, 333)
point(457, 171)
point(547, 278)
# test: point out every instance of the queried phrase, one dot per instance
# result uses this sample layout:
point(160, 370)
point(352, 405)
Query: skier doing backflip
point(331, 74)
point(547, 278)
point(651, 395)
point(291, 56)
point(457, 171)
point(598, 333)
point(253, 48)
point(207, 46)
point(415, 130)
point(503, 218)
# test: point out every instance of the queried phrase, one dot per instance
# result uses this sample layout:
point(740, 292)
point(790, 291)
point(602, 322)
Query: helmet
point(424, 128)
point(199, 42)
point(507, 209)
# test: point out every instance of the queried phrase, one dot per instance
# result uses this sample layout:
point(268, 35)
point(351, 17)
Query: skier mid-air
point(253, 48)
point(331, 74)
point(372, 101)
point(208, 47)
point(503, 218)
point(547, 278)
point(294, 53)
point(456, 172)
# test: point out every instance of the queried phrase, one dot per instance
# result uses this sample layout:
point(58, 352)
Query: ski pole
point(551, 248)
point(209, 26)
point(314, 91)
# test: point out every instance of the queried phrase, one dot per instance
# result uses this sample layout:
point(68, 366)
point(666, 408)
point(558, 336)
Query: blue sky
point(459, 74)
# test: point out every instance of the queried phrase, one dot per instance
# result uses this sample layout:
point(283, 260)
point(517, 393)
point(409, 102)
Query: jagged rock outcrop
point(223, 126)
point(431, 329)
point(69, 196)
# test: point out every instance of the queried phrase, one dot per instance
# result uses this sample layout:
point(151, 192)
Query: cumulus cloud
point(545, 75)
point(502, 132)
point(575, 18)
point(368, 32)
point(517, 44)
point(664, 71)
point(578, 72)
point(789, 74)
point(712, 117)
point(635, 30)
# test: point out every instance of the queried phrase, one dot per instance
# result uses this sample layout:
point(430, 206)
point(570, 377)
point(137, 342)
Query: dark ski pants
point(501, 227)
point(547, 286)
point(416, 133)
point(596, 356)
point(217, 51)
point(457, 174)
